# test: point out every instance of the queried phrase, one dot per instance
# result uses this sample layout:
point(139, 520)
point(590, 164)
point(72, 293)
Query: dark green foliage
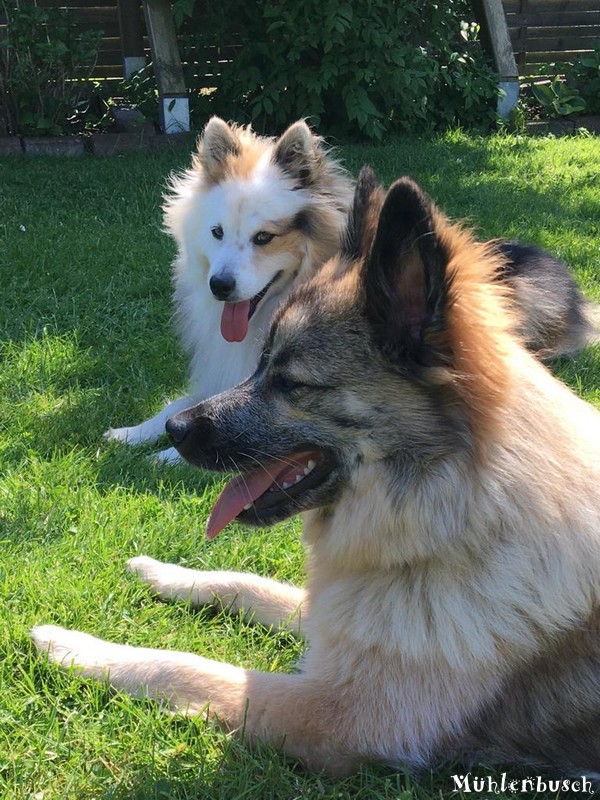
point(557, 98)
point(360, 68)
point(573, 87)
point(583, 76)
point(44, 59)
point(140, 91)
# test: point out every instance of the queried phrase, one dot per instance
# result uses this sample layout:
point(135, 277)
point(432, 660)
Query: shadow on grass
point(262, 773)
point(136, 470)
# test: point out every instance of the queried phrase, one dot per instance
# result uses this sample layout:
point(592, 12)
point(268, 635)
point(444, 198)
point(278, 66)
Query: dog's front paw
point(163, 579)
point(66, 647)
point(168, 456)
point(125, 435)
point(147, 569)
point(172, 582)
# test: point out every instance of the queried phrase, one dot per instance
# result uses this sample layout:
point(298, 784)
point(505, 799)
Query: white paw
point(65, 647)
point(168, 456)
point(160, 577)
point(145, 568)
point(125, 435)
point(172, 582)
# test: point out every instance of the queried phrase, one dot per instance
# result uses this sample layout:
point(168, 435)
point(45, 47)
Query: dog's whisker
point(284, 460)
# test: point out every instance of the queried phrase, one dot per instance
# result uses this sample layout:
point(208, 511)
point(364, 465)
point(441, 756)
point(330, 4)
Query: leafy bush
point(44, 62)
point(557, 98)
point(572, 87)
point(358, 68)
point(583, 77)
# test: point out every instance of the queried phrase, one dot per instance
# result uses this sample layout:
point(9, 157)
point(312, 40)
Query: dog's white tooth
point(286, 485)
point(298, 478)
point(247, 506)
point(311, 465)
point(306, 470)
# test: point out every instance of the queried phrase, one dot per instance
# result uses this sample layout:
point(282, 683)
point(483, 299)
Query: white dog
point(251, 217)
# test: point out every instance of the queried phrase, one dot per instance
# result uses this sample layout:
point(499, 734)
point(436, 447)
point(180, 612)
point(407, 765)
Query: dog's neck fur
point(458, 535)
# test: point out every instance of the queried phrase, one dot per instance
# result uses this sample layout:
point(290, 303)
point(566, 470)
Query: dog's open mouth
point(236, 316)
point(257, 496)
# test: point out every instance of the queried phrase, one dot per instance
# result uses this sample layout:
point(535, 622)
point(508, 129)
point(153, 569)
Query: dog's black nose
point(222, 286)
point(192, 435)
point(177, 429)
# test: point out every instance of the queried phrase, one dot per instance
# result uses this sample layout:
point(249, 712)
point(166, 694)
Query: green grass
point(86, 341)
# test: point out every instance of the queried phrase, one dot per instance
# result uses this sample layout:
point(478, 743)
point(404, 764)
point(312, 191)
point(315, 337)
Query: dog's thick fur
point(451, 495)
point(241, 185)
point(554, 317)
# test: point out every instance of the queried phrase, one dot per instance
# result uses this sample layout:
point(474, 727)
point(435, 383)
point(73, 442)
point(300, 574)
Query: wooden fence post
point(132, 36)
point(504, 56)
point(173, 99)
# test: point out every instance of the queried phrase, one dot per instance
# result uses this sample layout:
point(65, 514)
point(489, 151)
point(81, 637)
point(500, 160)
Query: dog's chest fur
point(434, 608)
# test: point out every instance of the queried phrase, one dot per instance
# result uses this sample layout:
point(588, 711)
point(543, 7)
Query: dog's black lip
point(258, 297)
point(273, 502)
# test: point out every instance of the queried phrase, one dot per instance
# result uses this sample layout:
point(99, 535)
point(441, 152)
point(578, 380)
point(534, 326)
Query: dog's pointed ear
point(219, 142)
point(369, 195)
point(404, 276)
point(295, 154)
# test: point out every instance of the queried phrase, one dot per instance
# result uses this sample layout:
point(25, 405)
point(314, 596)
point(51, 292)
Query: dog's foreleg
point(267, 601)
point(168, 456)
point(294, 712)
point(152, 429)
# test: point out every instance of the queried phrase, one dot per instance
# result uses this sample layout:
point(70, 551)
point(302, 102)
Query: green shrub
point(571, 87)
point(359, 68)
point(583, 77)
point(44, 62)
point(557, 98)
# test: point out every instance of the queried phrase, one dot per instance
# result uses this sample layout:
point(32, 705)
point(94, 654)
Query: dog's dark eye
point(262, 237)
point(217, 232)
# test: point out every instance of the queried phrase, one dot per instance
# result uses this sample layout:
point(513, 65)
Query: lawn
point(86, 341)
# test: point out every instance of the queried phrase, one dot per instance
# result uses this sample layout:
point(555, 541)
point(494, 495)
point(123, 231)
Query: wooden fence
point(543, 31)
point(122, 25)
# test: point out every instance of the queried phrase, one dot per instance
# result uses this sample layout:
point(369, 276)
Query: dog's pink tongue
point(237, 493)
point(234, 321)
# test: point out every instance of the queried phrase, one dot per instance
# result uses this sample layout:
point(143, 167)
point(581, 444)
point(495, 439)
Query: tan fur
point(435, 588)
point(239, 163)
point(480, 325)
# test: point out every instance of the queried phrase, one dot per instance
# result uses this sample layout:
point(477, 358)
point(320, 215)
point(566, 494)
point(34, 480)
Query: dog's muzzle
point(190, 435)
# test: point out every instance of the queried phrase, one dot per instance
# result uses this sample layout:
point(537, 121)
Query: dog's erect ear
point(218, 143)
point(295, 153)
point(404, 275)
point(369, 195)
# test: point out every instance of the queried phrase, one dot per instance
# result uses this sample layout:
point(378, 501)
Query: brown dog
point(451, 490)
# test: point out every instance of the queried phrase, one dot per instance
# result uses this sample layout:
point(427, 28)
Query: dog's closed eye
point(285, 384)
